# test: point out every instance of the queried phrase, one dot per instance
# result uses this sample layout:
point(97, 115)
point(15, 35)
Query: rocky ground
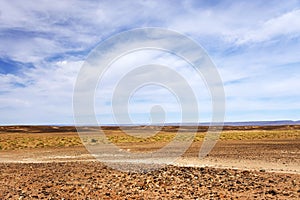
point(93, 180)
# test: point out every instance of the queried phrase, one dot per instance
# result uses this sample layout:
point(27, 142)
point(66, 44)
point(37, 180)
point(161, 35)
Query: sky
point(255, 46)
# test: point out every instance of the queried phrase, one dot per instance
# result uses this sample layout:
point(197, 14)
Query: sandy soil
point(234, 169)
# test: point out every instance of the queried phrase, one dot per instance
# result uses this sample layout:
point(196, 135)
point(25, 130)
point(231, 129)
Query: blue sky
point(254, 44)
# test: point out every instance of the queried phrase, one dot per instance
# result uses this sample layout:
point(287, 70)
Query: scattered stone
point(273, 192)
point(93, 180)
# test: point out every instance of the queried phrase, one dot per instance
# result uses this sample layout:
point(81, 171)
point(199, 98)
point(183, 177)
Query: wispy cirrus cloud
point(255, 45)
point(285, 25)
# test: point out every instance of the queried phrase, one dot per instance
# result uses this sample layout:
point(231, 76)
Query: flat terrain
point(246, 163)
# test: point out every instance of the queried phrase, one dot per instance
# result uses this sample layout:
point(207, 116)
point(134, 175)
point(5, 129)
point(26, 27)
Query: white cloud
point(147, 96)
point(287, 25)
point(255, 45)
point(45, 98)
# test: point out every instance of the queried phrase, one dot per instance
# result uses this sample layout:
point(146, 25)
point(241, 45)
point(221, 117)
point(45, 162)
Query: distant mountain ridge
point(263, 123)
point(244, 123)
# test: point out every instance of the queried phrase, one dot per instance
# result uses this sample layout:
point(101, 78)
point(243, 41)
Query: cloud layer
point(254, 44)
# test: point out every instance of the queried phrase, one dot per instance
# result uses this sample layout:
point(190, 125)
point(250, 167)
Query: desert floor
point(45, 162)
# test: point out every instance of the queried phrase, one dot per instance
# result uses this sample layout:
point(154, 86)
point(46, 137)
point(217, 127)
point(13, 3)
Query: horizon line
point(275, 122)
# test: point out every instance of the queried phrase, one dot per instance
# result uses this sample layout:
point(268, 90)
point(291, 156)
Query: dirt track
point(244, 169)
point(269, 155)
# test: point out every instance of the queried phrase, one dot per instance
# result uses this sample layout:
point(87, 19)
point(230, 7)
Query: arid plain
point(248, 162)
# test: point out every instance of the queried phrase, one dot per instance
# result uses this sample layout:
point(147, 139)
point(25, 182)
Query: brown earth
point(235, 169)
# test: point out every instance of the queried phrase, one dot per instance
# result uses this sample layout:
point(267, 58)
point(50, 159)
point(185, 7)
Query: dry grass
point(12, 141)
point(260, 134)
